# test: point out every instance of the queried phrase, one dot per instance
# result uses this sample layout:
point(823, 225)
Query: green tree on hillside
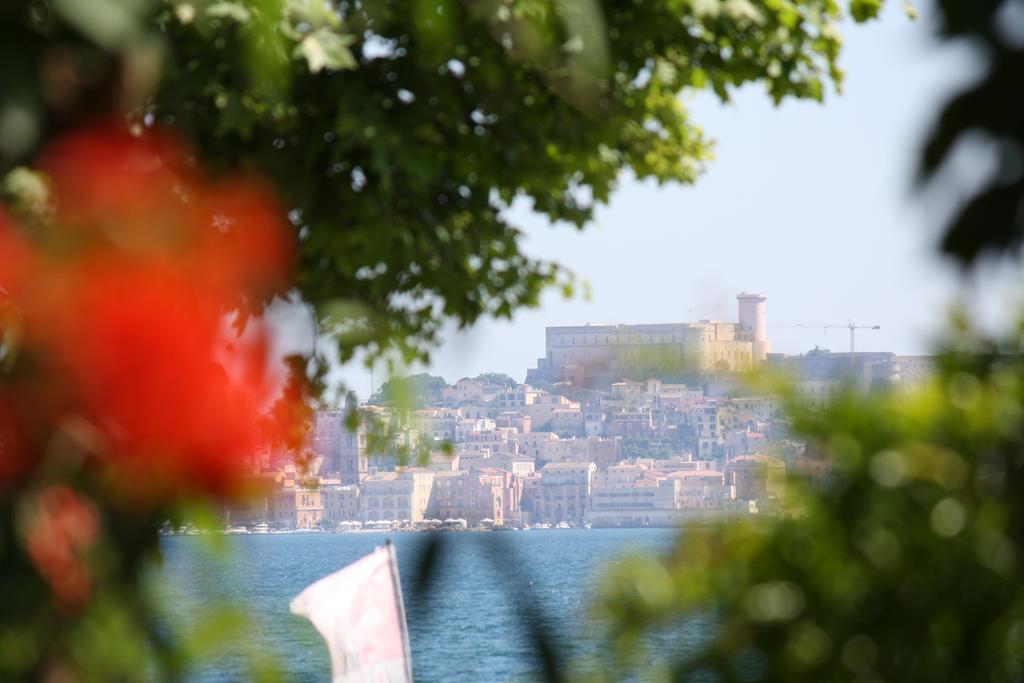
point(410, 391)
point(497, 378)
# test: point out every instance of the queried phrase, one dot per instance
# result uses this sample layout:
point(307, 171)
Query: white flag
point(359, 612)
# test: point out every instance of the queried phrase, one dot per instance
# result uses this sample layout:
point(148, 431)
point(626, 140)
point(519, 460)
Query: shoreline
point(289, 532)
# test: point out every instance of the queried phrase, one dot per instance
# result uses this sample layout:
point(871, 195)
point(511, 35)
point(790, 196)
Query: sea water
point(469, 622)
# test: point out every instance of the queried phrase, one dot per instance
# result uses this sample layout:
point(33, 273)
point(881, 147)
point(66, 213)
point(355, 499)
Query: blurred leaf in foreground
point(904, 565)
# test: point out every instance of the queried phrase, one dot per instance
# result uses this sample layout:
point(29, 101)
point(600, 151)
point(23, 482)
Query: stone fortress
point(586, 354)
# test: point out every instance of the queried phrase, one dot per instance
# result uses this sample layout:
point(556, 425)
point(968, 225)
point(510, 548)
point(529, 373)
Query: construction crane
point(853, 327)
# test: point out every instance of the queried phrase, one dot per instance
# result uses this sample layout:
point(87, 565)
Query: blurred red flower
point(14, 452)
point(61, 528)
point(124, 299)
point(16, 259)
point(106, 177)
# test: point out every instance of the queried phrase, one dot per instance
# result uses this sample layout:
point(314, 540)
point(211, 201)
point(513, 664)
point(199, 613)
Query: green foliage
point(409, 392)
point(986, 114)
point(498, 378)
point(400, 132)
point(905, 566)
point(862, 10)
point(109, 638)
point(397, 133)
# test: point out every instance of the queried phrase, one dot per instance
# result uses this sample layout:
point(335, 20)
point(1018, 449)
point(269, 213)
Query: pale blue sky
point(809, 204)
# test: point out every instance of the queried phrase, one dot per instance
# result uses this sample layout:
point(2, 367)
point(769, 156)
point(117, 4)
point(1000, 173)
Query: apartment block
point(341, 504)
point(401, 496)
point(564, 492)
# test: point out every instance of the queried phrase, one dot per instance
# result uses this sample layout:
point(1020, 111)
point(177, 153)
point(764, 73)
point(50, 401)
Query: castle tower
point(753, 326)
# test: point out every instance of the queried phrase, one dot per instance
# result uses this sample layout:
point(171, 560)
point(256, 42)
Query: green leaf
point(111, 23)
point(325, 49)
point(316, 13)
point(229, 10)
point(863, 10)
point(28, 191)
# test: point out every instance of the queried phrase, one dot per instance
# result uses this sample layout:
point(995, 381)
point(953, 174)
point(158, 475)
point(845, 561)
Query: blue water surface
point(467, 625)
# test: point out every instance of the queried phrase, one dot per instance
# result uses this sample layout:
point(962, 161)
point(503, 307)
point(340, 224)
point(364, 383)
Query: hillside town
point(624, 425)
